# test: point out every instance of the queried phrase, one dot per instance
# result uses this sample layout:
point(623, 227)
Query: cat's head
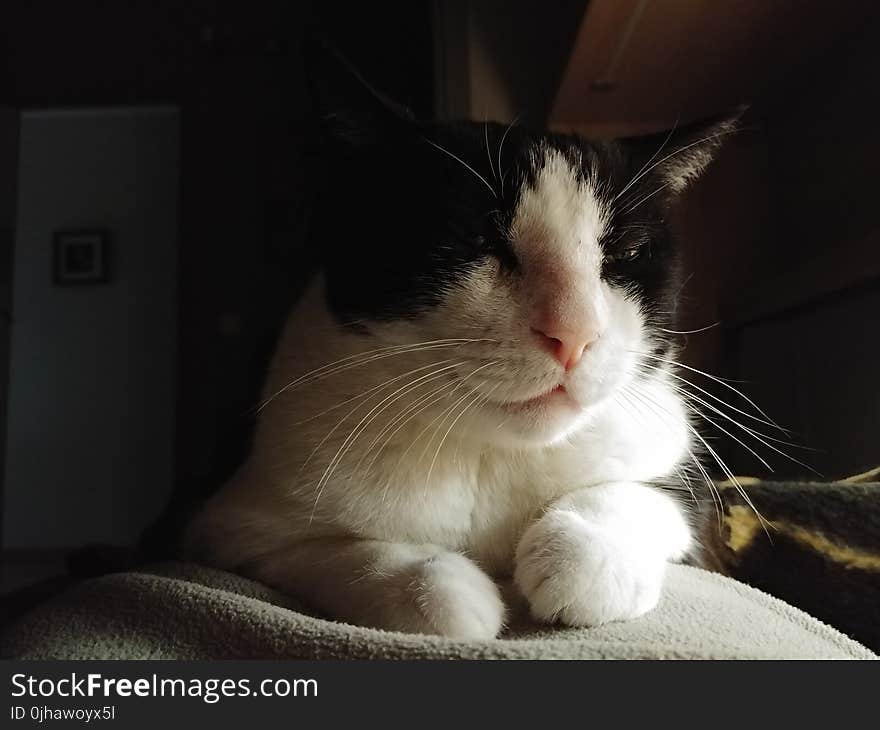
point(545, 254)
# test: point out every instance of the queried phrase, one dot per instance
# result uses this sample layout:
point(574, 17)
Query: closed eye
point(630, 253)
point(497, 247)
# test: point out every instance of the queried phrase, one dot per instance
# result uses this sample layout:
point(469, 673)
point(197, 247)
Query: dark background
point(235, 70)
point(781, 236)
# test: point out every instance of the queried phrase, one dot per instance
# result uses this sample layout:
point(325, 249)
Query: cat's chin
point(543, 420)
point(532, 423)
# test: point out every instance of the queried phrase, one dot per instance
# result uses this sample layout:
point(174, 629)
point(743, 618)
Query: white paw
point(582, 574)
point(446, 594)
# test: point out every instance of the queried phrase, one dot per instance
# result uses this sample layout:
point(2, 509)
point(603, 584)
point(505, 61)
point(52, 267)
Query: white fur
point(600, 554)
point(372, 522)
point(555, 235)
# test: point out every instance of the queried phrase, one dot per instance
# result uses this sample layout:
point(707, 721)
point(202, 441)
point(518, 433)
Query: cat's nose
point(567, 344)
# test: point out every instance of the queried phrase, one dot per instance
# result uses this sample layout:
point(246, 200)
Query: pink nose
point(566, 344)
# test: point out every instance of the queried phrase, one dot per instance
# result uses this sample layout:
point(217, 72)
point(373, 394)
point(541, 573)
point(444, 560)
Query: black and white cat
point(476, 384)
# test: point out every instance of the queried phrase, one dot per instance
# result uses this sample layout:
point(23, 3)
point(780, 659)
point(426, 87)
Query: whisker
point(638, 176)
point(488, 152)
point(358, 429)
point(438, 373)
point(366, 393)
point(425, 430)
point(723, 402)
point(713, 490)
point(715, 494)
point(415, 405)
point(647, 197)
point(754, 432)
point(693, 409)
point(718, 380)
point(659, 162)
point(474, 396)
point(458, 159)
point(501, 147)
point(739, 487)
point(421, 404)
point(480, 397)
point(690, 332)
point(629, 404)
point(368, 356)
point(450, 409)
point(729, 474)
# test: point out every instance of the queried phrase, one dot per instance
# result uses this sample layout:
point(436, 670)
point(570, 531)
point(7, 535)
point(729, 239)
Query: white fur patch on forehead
point(560, 213)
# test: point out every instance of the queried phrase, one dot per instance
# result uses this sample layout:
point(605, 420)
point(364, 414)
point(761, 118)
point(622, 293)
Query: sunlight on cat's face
point(552, 338)
point(542, 261)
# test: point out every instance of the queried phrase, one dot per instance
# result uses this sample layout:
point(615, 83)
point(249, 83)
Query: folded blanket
point(184, 611)
point(818, 547)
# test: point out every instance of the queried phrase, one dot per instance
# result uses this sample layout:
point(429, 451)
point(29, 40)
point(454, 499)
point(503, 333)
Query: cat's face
point(545, 254)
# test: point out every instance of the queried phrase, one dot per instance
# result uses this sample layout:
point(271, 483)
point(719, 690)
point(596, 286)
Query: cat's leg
point(422, 589)
point(599, 554)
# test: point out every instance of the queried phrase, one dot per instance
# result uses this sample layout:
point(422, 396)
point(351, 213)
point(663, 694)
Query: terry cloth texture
point(820, 550)
point(185, 611)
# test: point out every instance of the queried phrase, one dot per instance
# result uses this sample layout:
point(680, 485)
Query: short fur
point(411, 449)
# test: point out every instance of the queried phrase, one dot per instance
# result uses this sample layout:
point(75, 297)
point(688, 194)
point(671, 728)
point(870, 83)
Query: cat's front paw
point(446, 594)
point(581, 574)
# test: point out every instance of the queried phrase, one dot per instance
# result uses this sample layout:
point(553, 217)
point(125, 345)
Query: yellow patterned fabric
point(813, 544)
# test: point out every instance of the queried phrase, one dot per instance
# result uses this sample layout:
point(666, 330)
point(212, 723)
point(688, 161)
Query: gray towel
point(185, 611)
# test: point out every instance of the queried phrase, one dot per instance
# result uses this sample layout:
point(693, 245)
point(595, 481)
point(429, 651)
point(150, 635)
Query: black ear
point(351, 111)
point(673, 159)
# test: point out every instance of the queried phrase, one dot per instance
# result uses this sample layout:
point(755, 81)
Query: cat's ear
point(675, 158)
point(352, 112)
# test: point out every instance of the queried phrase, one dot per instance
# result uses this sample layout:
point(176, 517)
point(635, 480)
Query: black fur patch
point(411, 207)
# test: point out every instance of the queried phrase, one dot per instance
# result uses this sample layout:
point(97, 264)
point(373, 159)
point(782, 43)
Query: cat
point(477, 383)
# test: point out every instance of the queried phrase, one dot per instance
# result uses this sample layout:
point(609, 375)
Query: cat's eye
point(627, 255)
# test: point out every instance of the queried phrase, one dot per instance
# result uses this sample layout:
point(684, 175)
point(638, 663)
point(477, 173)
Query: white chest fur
point(309, 476)
point(478, 499)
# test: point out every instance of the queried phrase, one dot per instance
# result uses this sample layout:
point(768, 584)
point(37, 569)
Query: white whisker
point(450, 409)
point(369, 356)
point(627, 404)
point(728, 473)
point(437, 373)
point(368, 392)
point(659, 162)
point(690, 332)
point(500, 148)
point(647, 197)
point(723, 402)
point(757, 435)
point(421, 404)
point(358, 429)
point(458, 159)
point(638, 176)
point(696, 411)
point(718, 380)
point(713, 490)
point(477, 399)
point(488, 151)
